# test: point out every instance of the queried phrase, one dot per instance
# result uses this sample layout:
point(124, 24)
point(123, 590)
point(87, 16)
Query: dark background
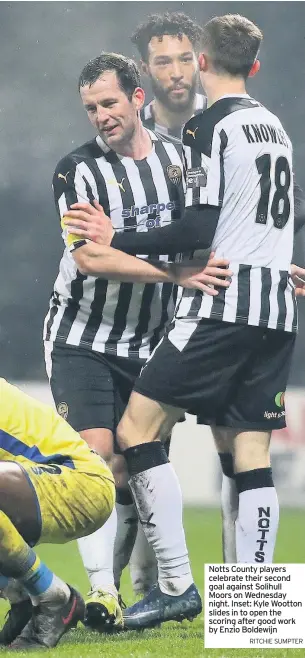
point(43, 47)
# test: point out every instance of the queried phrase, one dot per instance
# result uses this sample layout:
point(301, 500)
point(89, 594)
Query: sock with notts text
point(157, 494)
point(258, 516)
point(229, 507)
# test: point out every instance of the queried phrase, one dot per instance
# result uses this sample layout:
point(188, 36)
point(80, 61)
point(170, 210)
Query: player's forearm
point(299, 208)
point(195, 231)
point(107, 263)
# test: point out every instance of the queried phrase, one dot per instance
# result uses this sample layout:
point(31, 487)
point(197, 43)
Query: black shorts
point(229, 375)
point(91, 389)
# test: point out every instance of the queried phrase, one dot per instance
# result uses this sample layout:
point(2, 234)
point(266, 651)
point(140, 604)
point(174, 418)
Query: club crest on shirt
point(174, 173)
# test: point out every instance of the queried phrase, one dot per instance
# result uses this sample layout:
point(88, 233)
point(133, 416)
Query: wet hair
point(232, 42)
point(126, 70)
point(157, 25)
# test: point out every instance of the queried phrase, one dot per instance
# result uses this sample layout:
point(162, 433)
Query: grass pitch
point(172, 640)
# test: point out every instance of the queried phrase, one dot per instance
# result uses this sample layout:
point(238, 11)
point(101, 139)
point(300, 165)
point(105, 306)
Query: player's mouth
point(179, 90)
point(110, 130)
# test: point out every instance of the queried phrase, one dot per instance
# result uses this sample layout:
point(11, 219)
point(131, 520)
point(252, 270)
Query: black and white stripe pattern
point(122, 319)
point(223, 152)
point(259, 296)
point(147, 116)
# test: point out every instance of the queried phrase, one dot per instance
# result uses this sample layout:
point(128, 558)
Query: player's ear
point(254, 68)
point(138, 98)
point(202, 62)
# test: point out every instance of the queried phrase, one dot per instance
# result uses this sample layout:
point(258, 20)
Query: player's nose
point(176, 73)
point(102, 115)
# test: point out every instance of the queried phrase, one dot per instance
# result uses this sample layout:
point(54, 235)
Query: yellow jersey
point(31, 431)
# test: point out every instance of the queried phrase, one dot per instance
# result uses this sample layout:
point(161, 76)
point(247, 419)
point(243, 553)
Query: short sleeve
point(203, 157)
point(69, 186)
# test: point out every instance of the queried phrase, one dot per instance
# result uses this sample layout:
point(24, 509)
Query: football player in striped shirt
point(108, 310)
point(239, 197)
point(167, 45)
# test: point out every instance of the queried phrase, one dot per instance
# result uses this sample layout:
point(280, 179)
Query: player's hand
point(298, 278)
point(89, 222)
point(215, 273)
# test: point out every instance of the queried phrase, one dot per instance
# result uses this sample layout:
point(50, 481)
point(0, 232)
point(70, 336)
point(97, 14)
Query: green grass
point(173, 640)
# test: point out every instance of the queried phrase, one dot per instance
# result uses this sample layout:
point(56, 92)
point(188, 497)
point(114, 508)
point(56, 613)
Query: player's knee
point(120, 473)
point(251, 451)
point(101, 440)
point(11, 476)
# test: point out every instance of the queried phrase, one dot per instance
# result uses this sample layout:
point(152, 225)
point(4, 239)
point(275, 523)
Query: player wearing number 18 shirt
point(227, 358)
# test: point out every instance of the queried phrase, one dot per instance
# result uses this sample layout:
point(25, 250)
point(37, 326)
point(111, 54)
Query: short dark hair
point(157, 25)
point(232, 41)
point(127, 72)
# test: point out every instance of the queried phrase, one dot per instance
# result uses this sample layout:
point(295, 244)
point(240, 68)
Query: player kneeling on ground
point(53, 489)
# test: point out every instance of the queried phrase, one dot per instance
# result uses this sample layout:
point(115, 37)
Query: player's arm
point(195, 230)
point(299, 208)
point(105, 262)
point(197, 227)
point(70, 186)
point(202, 153)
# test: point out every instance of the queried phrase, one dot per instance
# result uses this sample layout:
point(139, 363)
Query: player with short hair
point(226, 358)
point(53, 489)
point(167, 44)
point(109, 310)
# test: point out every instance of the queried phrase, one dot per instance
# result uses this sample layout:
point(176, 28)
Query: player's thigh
point(18, 501)
point(83, 391)
point(223, 438)
point(259, 400)
point(196, 367)
point(251, 450)
point(259, 403)
point(73, 503)
point(145, 420)
point(124, 372)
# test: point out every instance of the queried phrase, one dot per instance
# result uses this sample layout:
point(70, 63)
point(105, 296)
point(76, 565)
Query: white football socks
point(159, 503)
point(96, 551)
point(256, 525)
point(125, 538)
point(142, 565)
point(229, 511)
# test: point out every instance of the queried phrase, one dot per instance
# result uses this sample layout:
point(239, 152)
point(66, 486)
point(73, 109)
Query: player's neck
point(216, 87)
point(139, 146)
point(170, 120)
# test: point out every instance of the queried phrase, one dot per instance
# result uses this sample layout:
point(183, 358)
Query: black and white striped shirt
point(238, 157)
point(124, 319)
point(147, 116)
